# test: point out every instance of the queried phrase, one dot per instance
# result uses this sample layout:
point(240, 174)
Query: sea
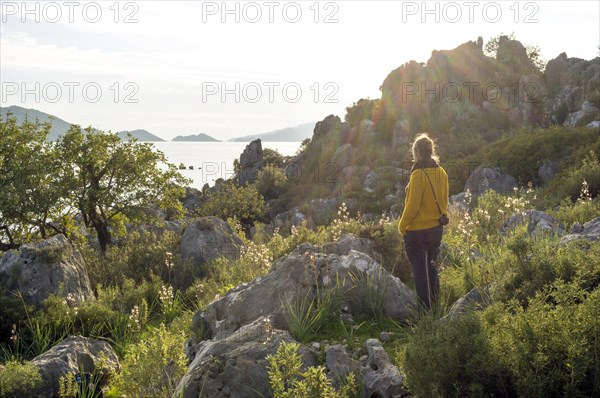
point(205, 162)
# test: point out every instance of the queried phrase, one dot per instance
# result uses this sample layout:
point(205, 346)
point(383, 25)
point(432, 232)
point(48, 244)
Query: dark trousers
point(422, 249)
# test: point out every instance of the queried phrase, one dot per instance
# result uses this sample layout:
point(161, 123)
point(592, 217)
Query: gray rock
point(73, 355)
point(236, 366)
point(381, 378)
point(588, 113)
point(342, 157)
point(322, 210)
point(43, 268)
point(401, 134)
point(459, 202)
point(548, 170)
point(293, 217)
point(294, 276)
point(386, 336)
point(594, 125)
point(484, 178)
point(538, 223)
point(251, 161)
point(208, 238)
point(340, 364)
point(576, 228)
point(590, 232)
point(477, 298)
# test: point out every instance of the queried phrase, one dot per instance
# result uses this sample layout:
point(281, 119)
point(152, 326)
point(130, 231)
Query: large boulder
point(484, 178)
point(342, 157)
point(284, 222)
point(587, 114)
point(208, 238)
point(589, 231)
point(538, 223)
point(75, 355)
point(236, 366)
point(51, 266)
point(251, 161)
point(321, 210)
point(297, 275)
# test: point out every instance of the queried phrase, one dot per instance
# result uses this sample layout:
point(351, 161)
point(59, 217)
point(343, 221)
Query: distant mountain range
point(60, 127)
point(196, 138)
point(288, 134)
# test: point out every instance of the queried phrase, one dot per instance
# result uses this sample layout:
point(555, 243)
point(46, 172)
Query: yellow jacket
point(420, 209)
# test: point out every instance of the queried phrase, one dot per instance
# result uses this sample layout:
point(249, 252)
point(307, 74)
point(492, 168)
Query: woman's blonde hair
point(424, 148)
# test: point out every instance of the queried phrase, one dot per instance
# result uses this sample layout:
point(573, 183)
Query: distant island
point(287, 134)
point(196, 138)
point(140, 135)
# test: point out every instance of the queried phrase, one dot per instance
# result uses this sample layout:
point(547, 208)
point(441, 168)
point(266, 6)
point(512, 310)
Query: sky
point(234, 68)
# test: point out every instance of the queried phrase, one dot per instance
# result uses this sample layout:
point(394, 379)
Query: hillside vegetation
point(157, 271)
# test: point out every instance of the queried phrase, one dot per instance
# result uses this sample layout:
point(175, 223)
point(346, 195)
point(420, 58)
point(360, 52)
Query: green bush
point(270, 182)
point(288, 381)
point(19, 380)
point(522, 155)
point(568, 183)
point(452, 359)
point(154, 366)
point(229, 201)
point(553, 348)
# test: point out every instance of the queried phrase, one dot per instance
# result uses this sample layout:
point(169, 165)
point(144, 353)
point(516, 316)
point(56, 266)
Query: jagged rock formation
point(251, 161)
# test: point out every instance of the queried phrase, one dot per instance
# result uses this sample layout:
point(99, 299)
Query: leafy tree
point(230, 201)
point(31, 196)
point(112, 182)
point(361, 110)
point(534, 52)
point(272, 157)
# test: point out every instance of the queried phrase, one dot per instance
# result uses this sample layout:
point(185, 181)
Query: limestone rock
point(40, 269)
point(207, 238)
point(251, 161)
point(484, 178)
point(75, 354)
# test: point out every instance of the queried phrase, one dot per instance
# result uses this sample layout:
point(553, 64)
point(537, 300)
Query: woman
point(426, 201)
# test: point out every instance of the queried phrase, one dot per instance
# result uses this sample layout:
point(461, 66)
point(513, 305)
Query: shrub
point(270, 182)
point(552, 348)
point(19, 380)
point(229, 201)
point(287, 380)
point(452, 359)
point(154, 366)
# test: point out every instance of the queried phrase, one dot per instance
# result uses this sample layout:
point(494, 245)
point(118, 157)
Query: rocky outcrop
point(297, 275)
point(40, 269)
point(235, 366)
point(538, 223)
point(251, 161)
point(284, 222)
point(401, 136)
point(590, 231)
point(322, 210)
point(208, 238)
point(75, 355)
point(484, 178)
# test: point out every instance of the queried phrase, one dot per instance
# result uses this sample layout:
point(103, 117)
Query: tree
point(534, 53)
point(112, 182)
point(243, 203)
point(31, 198)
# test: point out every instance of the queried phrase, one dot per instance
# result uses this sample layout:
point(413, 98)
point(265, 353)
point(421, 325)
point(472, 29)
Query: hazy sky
point(235, 68)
